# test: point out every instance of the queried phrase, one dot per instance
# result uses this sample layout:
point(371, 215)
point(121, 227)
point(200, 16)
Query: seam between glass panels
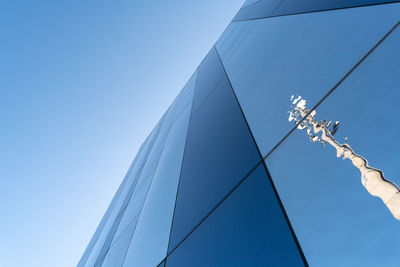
point(183, 156)
point(334, 87)
point(123, 231)
point(159, 123)
point(109, 209)
point(99, 261)
point(214, 208)
point(192, 114)
point(113, 201)
point(148, 189)
point(125, 183)
point(245, 7)
point(266, 170)
point(261, 162)
point(280, 3)
point(314, 11)
point(263, 159)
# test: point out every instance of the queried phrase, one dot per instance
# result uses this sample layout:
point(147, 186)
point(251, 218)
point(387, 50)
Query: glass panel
point(131, 180)
point(247, 229)
point(219, 152)
point(112, 210)
point(337, 221)
point(296, 6)
point(150, 241)
point(249, 2)
point(116, 254)
point(259, 9)
point(269, 60)
point(140, 193)
point(181, 102)
point(132, 186)
point(136, 195)
point(99, 229)
point(271, 8)
point(211, 72)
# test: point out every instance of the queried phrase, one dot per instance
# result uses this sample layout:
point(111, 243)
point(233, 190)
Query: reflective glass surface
point(117, 252)
point(138, 195)
point(296, 6)
point(269, 60)
point(219, 152)
point(211, 72)
point(249, 2)
point(247, 229)
point(337, 221)
point(150, 241)
point(110, 208)
point(259, 9)
point(271, 8)
point(110, 226)
point(119, 197)
point(129, 199)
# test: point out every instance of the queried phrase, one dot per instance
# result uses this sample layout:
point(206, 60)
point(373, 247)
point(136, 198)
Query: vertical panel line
point(265, 167)
point(183, 158)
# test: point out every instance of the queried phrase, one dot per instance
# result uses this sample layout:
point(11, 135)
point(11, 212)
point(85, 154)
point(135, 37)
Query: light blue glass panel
point(150, 241)
point(184, 99)
point(139, 195)
point(134, 188)
point(337, 222)
point(131, 180)
point(247, 229)
point(298, 6)
point(259, 9)
point(249, 2)
point(271, 8)
point(269, 60)
point(116, 254)
point(99, 229)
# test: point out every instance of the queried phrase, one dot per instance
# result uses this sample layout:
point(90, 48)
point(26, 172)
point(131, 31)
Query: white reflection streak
point(371, 178)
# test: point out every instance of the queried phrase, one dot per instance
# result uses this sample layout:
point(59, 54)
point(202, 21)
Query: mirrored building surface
point(229, 177)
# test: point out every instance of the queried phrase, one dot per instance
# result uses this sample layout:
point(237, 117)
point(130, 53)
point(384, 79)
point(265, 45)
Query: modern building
point(242, 171)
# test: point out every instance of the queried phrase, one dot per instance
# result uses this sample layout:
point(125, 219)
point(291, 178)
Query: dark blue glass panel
point(269, 60)
point(211, 72)
point(271, 8)
point(219, 152)
point(247, 229)
point(336, 220)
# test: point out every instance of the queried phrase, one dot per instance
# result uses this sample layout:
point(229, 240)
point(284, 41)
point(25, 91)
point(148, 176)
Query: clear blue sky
point(82, 85)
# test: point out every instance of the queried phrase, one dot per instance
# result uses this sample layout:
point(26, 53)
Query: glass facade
point(245, 169)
